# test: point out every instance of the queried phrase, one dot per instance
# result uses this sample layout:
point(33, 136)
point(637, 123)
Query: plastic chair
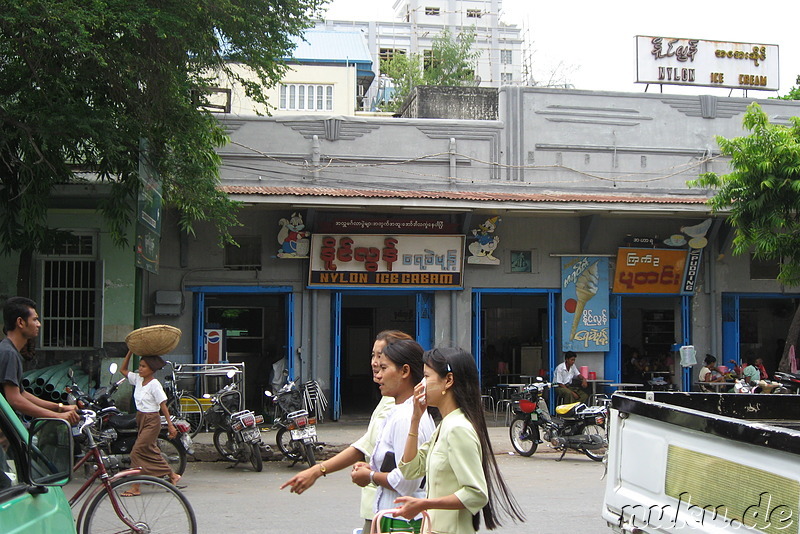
point(505, 405)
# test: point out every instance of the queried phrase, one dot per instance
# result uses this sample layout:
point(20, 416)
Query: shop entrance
point(255, 323)
point(360, 317)
point(650, 329)
point(756, 325)
point(513, 334)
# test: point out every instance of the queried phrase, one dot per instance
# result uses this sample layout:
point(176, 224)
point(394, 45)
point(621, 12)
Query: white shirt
point(392, 438)
point(148, 397)
point(564, 375)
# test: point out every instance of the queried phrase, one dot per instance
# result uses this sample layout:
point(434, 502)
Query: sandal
point(129, 493)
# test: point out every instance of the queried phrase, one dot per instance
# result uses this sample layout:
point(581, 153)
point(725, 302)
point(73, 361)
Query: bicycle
point(182, 404)
point(159, 507)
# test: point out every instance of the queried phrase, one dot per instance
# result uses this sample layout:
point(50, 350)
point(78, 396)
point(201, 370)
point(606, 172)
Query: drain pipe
point(312, 329)
point(453, 319)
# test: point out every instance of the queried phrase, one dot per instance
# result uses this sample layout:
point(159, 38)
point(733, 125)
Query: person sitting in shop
point(570, 384)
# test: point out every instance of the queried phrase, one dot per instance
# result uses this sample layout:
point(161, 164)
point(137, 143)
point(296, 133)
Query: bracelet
point(60, 407)
point(372, 477)
point(413, 435)
point(323, 470)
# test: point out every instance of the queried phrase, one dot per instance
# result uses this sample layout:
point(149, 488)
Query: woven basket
point(153, 340)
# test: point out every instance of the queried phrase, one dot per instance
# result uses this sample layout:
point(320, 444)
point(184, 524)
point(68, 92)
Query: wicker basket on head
point(153, 340)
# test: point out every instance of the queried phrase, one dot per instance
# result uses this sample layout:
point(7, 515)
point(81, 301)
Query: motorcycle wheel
point(173, 454)
point(520, 427)
point(284, 440)
point(255, 456)
point(309, 454)
point(224, 443)
point(596, 454)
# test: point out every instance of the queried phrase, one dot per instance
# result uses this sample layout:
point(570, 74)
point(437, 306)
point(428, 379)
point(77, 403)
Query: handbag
point(376, 522)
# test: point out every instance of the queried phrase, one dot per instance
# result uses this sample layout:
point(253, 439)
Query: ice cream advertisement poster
point(584, 297)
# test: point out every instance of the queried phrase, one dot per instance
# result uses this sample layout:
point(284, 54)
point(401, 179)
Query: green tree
point(794, 92)
point(451, 61)
point(762, 198)
point(82, 81)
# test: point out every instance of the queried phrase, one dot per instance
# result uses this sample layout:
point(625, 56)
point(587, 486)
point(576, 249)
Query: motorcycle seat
point(124, 421)
point(566, 409)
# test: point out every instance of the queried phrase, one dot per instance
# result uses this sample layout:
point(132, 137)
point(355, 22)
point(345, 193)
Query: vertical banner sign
point(148, 223)
point(584, 294)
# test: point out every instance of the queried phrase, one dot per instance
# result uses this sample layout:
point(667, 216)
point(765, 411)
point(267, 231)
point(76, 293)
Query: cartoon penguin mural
point(292, 238)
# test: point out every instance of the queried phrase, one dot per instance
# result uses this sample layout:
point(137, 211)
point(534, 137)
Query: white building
point(418, 22)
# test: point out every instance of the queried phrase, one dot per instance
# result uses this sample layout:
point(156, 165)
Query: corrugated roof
point(320, 45)
point(464, 195)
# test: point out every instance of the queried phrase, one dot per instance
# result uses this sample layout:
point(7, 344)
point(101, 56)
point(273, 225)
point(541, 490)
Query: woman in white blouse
point(399, 370)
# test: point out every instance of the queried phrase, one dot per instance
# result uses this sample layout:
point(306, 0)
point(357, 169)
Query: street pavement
point(557, 497)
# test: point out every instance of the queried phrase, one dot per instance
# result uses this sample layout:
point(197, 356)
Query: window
point(70, 308)
point(306, 97)
point(474, 13)
point(432, 11)
point(385, 54)
point(505, 57)
point(427, 59)
point(764, 269)
point(247, 256)
point(506, 78)
point(9, 457)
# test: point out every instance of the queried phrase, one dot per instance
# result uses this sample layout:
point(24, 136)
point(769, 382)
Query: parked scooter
point(115, 431)
point(790, 382)
point(297, 432)
point(237, 436)
point(576, 426)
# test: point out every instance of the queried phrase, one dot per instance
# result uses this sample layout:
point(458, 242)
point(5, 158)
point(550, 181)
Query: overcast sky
point(594, 40)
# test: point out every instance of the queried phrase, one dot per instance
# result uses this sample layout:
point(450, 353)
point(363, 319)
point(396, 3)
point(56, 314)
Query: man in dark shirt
point(21, 323)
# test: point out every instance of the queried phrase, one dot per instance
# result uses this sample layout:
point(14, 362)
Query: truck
point(703, 462)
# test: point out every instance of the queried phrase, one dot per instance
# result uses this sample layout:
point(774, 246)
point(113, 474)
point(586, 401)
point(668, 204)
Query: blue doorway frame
point(201, 292)
point(424, 324)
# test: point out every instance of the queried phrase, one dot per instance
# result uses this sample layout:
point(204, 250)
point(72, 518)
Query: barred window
point(306, 97)
point(71, 309)
point(474, 13)
point(506, 78)
point(432, 11)
point(505, 57)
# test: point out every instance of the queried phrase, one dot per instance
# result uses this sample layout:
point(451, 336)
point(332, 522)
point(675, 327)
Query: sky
point(592, 42)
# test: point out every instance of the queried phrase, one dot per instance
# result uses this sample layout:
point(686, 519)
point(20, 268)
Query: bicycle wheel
point(284, 440)
point(192, 412)
point(255, 456)
point(173, 453)
point(160, 507)
point(596, 430)
point(309, 453)
point(225, 444)
point(524, 435)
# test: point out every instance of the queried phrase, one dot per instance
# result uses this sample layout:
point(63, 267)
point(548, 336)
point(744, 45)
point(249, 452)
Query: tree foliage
point(794, 92)
point(762, 195)
point(82, 81)
point(451, 62)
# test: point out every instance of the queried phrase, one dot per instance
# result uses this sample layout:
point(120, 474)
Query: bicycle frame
point(105, 482)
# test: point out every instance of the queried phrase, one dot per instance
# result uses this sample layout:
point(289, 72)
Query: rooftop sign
point(675, 61)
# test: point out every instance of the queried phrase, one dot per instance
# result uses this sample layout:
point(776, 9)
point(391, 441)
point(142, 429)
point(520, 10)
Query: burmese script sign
point(368, 260)
point(651, 270)
point(676, 61)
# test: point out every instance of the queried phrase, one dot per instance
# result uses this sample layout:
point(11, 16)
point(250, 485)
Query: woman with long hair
point(400, 368)
point(463, 479)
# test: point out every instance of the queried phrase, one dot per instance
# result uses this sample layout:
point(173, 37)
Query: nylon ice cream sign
point(584, 297)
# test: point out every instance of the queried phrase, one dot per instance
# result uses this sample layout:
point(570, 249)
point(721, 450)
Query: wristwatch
point(323, 470)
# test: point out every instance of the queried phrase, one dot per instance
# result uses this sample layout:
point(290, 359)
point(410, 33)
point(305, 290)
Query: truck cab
point(35, 462)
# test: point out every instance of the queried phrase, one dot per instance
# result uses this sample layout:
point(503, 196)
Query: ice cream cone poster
point(584, 297)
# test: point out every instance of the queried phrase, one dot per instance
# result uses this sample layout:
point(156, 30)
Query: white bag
point(688, 354)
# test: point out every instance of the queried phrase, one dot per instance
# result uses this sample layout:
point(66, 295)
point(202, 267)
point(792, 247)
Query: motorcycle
point(237, 436)
point(115, 432)
point(789, 382)
point(297, 432)
point(576, 426)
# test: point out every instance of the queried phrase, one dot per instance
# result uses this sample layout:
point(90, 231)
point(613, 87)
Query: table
point(622, 386)
point(716, 386)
